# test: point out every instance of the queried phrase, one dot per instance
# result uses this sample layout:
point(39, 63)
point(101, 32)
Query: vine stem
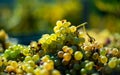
point(91, 39)
point(82, 25)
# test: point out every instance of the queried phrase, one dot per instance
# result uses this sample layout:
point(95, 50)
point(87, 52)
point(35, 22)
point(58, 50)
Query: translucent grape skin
point(112, 63)
point(83, 71)
point(103, 59)
point(67, 56)
point(89, 66)
point(78, 55)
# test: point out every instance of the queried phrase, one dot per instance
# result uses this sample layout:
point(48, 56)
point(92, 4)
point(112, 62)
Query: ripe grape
point(78, 55)
point(59, 23)
point(29, 69)
point(73, 28)
point(37, 71)
point(48, 66)
point(60, 54)
point(67, 56)
point(114, 51)
point(27, 58)
point(112, 63)
point(45, 58)
point(89, 66)
point(55, 72)
point(95, 56)
point(31, 63)
point(103, 52)
point(44, 72)
point(35, 57)
point(19, 71)
point(103, 59)
point(10, 68)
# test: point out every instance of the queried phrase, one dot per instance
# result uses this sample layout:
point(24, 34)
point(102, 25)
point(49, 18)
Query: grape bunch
point(64, 52)
point(113, 41)
point(4, 44)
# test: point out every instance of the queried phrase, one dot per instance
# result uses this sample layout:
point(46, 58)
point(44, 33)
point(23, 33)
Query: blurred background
point(27, 20)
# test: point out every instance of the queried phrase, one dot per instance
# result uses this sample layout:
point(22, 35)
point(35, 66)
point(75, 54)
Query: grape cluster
point(113, 41)
point(64, 52)
point(4, 44)
point(16, 52)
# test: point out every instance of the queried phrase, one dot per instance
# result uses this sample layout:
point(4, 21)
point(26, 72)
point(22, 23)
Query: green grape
point(114, 51)
point(37, 71)
point(64, 48)
point(27, 58)
point(73, 28)
point(103, 59)
point(88, 54)
point(114, 58)
point(19, 71)
point(31, 63)
point(55, 72)
point(56, 29)
point(83, 71)
point(29, 69)
point(95, 56)
point(14, 63)
point(25, 52)
point(7, 53)
point(89, 66)
point(35, 57)
point(24, 66)
point(66, 24)
point(112, 63)
point(13, 54)
point(48, 66)
point(59, 23)
point(45, 58)
point(103, 52)
point(53, 37)
point(67, 56)
point(62, 30)
point(78, 55)
point(44, 72)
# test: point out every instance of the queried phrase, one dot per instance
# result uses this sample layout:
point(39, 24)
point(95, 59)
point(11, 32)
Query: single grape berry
point(78, 55)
